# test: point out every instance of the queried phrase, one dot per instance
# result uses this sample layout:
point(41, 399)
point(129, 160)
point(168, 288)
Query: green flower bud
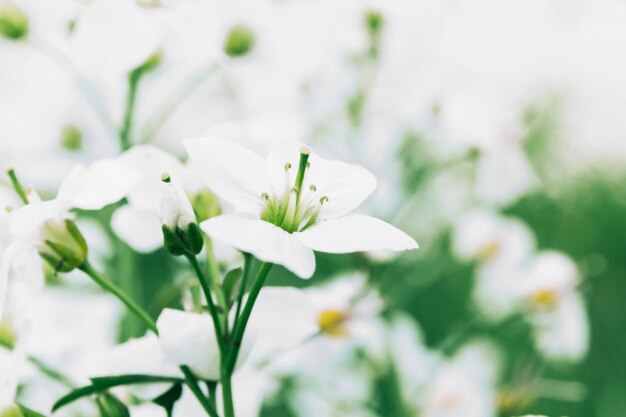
point(181, 234)
point(71, 138)
point(110, 406)
point(8, 335)
point(374, 22)
point(13, 21)
point(63, 246)
point(239, 41)
point(11, 411)
point(206, 205)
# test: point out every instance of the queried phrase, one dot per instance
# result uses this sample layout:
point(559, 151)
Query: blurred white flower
point(346, 307)
point(487, 237)
point(291, 204)
point(556, 309)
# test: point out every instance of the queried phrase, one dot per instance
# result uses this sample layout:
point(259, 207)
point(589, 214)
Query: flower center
point(298, 206)
point(331, 322)
point(545, 298)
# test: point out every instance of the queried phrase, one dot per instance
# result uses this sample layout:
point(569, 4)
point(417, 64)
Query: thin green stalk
point(227, 395)
point(215, 280)
point(212, 308)
point(240, 328)
point(17, 185)
point(106, 284)
point(165, 111)
point(52, 373)
point(192, 383)
point(247, 266)
point(131, 98)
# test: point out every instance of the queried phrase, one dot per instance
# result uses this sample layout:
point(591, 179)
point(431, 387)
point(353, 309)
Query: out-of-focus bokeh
point(497, 132)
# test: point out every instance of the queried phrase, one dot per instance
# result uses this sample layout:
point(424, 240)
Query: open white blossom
point(293, 203)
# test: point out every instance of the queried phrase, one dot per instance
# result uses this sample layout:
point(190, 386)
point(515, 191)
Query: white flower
point(346, 307)
point(290, 205)
point(485, 236)
point(556, 309)
point(138, 223)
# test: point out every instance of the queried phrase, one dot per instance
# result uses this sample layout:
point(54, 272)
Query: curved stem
point(240, 326)
point(204, 283)
point(131, 97)
point(109, 286)
point(192, 383)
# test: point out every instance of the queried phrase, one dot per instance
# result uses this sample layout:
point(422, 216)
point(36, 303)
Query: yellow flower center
point(489, 251)
point(545, 298)
point(331, 322)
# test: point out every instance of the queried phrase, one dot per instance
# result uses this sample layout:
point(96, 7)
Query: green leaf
point(168, 399)
point(231, 285)
point(110, 406)
point(102, 384)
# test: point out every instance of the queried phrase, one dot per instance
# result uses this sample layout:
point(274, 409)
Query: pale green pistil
point(296, 209)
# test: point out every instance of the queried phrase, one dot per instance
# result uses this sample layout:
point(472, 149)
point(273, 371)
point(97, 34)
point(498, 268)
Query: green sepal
point(169, 398)
point(172, 242)
point(110, 406)
point(66, 259)
point(78, 236)
point(193, 239)
point(232, 285)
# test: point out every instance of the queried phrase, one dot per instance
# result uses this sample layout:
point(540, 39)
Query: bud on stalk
point(62, 245)
point(181, 234)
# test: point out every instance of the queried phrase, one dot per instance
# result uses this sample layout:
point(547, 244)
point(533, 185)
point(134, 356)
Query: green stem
point(247, 266)
point(192, 383)
point(17, 185)
point(215, 280)
point(125, 130)
point(240, 328)
point(212, 388)
point(227, 395)
point(103, 282)
point(212, 308)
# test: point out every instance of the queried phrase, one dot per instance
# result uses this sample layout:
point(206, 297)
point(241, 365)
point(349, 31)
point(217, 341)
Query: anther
point(287, 166)
point(265, 197)
point(165, 177)
point(312, 187)
point(324, 199)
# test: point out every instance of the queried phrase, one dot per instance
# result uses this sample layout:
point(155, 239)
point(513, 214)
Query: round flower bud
point(239, 41)
point(13, 21)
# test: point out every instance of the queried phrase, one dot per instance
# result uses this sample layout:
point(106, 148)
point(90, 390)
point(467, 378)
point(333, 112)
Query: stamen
point(324, 199)
point(287, 166)
point(313, 188)
point(165, 177)
point(17, 185)
point(265, 197)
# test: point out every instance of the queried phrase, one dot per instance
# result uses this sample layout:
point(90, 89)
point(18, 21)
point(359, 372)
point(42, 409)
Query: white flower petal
point(264, 240)
point(283, 317)
point(189, 339)
point(141, 356)
point(231, 171)
point(140, 229)
point(345, 185)
point(27, 219)
point(74, 183)
point(355, 233)
point(107, 181)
